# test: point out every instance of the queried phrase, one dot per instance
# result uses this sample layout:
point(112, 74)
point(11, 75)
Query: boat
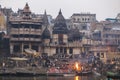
point(59, 72)
point(7, 72)
point(33, 71)
point(84, 73)
point(81, 69)
point(96, 73)
point(113, 75)
point(55, 74)
point(69, 74)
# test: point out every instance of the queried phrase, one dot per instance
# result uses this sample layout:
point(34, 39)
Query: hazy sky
point(102, 8)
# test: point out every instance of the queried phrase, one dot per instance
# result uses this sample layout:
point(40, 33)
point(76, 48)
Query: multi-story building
point(35, 33)
point(82, 21)
point(25, 32)
point(111, 33)
point(62, 41)
point(107, 35)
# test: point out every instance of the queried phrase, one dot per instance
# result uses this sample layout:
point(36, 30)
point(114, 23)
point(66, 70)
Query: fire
point(77, 66)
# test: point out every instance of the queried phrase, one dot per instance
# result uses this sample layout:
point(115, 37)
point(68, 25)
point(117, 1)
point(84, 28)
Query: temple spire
point(60, 26)
point(60, 12)
point(45, 12)
point(45, 19)
point(26, 12)
point(26, 8)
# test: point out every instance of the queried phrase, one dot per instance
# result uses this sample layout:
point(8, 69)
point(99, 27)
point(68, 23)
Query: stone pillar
point(22, 48)
point(83, 49)
point(11, 48)
point(39, 49)
point(68, 51)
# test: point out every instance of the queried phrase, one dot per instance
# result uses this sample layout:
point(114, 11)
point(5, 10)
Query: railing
point(25, 39)
point(14, 39)
point(64, 45)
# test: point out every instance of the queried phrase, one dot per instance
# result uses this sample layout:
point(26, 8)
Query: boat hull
point(113, 75)
point(61, 74)
point(25, 74)
point(84, 73)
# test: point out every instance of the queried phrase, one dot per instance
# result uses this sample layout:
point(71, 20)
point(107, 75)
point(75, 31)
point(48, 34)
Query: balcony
point(14, 32)
point(37, 39)
point(65, 45)
point(14, 39)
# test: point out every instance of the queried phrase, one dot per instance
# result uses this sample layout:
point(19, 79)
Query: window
point(65, 50)
point(61, 50)
point(82, 19)
point(78, 19)
point(60, 38)
point(84, 27)
point(16, 48)
point(35, 47)
point(98, 54)
point(71, 50)
point(102, 55)
point(26, 46)
point(57, 50)
point(88, 19)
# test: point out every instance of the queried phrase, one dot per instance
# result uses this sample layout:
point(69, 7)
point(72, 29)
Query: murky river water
point(56, 78)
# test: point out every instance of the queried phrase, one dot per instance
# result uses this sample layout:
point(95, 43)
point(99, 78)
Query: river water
point(56, 78)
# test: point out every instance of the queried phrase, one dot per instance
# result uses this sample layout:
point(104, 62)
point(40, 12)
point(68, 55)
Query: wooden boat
point(113, 75)
point(84, 73)
point(69, 74)
point(96, 73)
point(54, 74)
point(33, 71)
point(7, 72)
point(59, 72)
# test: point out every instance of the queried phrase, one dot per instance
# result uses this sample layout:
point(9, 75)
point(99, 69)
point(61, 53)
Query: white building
point(82, 21)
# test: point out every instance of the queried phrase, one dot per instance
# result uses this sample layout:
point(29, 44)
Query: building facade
point(62, 42)
point(25, 32)
point(82, 21)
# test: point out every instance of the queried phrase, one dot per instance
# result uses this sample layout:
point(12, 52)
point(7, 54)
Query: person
point(3, 65)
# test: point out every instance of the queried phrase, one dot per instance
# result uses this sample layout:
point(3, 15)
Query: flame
point(76, 65)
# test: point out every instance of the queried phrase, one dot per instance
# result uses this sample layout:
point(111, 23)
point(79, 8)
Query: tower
point(60, 30)
point(25, 32)
point(45, 19)
point(26, 12)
